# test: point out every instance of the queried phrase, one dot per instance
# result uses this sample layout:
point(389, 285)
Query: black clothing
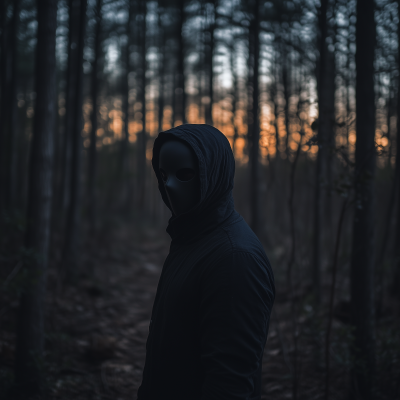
point(211, 313)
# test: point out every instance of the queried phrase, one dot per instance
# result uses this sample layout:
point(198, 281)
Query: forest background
point(306, 92)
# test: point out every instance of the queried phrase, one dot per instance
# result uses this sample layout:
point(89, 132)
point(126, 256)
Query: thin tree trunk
point(285, 83)
point(291, 264)
point(23, 151)
point(30, 327)
point(320, 177)
point(180, 87)
point(397, 237)
point(397, 179)
point(235, 92)
point(124, 167)
point(362, 262)
point(142, 140)
point(274, 94)
point(173, 96)
point(210, 62)
point(332, 298)
point(71, 96)
point(162, 65)
point(72, 237)
point(329, 119)
point(8, 106)
point(3, 104)
point(92, 172)
point(12, 112)
point(255, 133)
point(389, 124)
point(380, 260)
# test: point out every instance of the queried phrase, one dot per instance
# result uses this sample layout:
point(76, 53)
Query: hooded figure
point(211, 313)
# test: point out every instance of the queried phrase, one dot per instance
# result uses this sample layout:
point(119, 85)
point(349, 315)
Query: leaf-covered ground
point(97, 328)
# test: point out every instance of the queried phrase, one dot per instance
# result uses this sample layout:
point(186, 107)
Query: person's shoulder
point(242, 238)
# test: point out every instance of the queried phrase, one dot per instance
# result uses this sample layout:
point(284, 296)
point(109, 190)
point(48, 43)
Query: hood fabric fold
point(216, 173)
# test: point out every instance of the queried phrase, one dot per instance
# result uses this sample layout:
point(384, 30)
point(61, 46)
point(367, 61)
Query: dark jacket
point(211, 313)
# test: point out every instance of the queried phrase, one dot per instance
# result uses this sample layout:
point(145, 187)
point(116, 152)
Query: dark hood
point(216, 173)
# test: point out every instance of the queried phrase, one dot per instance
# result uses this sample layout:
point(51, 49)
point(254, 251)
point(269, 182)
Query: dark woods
point(308, 94)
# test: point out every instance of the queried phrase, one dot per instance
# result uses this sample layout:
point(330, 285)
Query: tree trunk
point(173, 97)
point(362, 262)
point(12, 115)
point(3, 104)
point(397, 179)
point(180, 112)
point(210, 62)
point(397, 240)
point(124, 167)
point(389, 124)
point(329, 118)
point(382, 254)
point(274, 93)
point(286, 94)
point(162, 65)
point(70, 103)
point(142, 139)
point(72, 237)
point(92, 172)
point(320, 178)
point(8, 106)
point(30, 327)
point(255, 126)
point(235, 92)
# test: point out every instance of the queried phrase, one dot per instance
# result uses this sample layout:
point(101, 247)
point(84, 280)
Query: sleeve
point(235, 308)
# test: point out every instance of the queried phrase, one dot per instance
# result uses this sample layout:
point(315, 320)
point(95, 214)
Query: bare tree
point(397, 179)
point(286, 69)
point(92, 170)
point(4, 77)
point(142, 137)
point(254, 125)
point(73, 38)
point(362, 262)
point(30, 329)
point(162, 63)
point(323, 126)
point(235, 90)
point(209, 58)
point(124, 161)
point(180, 88)
point(8, 105)
point(72, 235)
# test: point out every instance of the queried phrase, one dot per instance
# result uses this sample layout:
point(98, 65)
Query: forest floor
point(97, 328)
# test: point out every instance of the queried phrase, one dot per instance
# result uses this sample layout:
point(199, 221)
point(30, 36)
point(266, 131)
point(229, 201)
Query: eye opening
point(185, 174)
point(163, 174)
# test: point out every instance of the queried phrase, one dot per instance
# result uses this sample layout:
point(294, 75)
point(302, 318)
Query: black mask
point(178, 168)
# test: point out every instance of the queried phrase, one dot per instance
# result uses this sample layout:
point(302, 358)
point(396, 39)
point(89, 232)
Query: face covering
point(178, 168)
